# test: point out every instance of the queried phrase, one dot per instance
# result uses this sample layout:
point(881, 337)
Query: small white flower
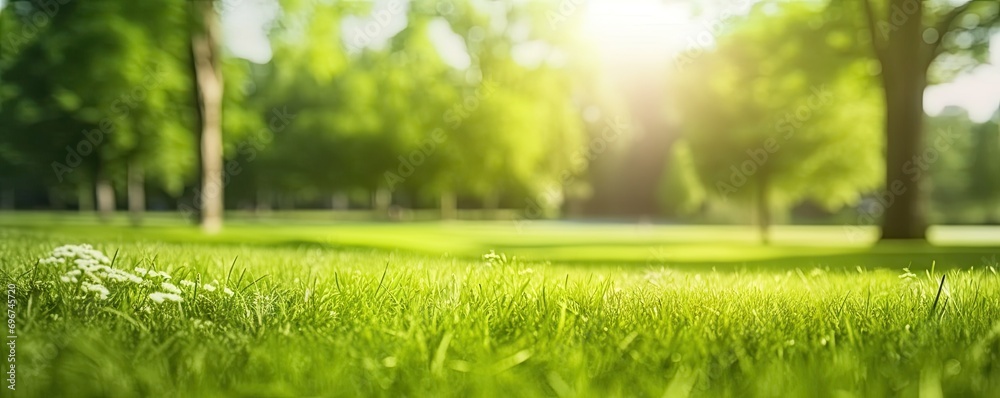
point(209, 288)
point(102, 292)
point(173, 297)
point(118, 276)
point(93, 276)
point(154, 274)
point(160, 297)
point(170, 288)
point(187, 283)
point(200, 324)
point(227, 291)
point(52, 260)
point(141, 271)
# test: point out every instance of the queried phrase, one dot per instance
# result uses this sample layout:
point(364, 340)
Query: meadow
point(321, 308)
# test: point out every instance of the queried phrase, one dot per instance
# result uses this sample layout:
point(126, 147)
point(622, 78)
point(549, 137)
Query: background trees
point(906, 46)
point(763, 132)
point(473, 104)
point(82, 120)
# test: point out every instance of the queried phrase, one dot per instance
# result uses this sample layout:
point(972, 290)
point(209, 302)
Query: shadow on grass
point(946, 258)
point(616, 253)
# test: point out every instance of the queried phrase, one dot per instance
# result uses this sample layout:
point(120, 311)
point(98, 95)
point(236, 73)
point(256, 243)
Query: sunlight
point(629, 31)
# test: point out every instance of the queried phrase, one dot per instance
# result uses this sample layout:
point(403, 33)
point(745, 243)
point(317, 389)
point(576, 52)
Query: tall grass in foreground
point(314, 322)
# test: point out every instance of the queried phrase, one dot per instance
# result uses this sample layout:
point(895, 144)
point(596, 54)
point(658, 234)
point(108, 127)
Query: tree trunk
point(905, 79)
point(263, 201)
point(491, 203)
point(206, 59)
point(84, 198)
point(381, 200)
point(340, 201)
point(763, 207)
point(105, 198)
point(136, 192)
point(449, 205)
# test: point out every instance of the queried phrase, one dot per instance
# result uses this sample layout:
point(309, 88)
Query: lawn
point(408, 309)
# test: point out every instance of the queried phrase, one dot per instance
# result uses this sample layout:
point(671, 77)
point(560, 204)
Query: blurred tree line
point(104, 101)
point(825, 110)
point(804, 109)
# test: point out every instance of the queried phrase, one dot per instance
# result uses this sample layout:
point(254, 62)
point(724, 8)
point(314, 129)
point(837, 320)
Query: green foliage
point(786, 89)
point(961, 36)
point(127, 100)
point(778, 114)
point(984, 167)
point(963, 162)
point(399, 117)
point(680, 191)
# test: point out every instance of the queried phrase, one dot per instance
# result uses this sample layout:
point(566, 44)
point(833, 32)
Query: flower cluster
point(203, 324)
point(494, 259)
point(91, 271)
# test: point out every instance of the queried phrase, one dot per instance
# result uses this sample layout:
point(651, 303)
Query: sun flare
point(638, 29)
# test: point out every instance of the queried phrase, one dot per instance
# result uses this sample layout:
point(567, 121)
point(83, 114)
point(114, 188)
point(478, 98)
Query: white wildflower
point(102, 292)
point(227, 291)
point(170, 287)
point(161, 274)
point(135, 279)
point(200, 324)
point(52, 260)
point(187, 283)
point(209, 288)
point(173, 297)
point(93, 276)
point(86, 263)
point(160, 297)
point(82, 254)
point(119, 275)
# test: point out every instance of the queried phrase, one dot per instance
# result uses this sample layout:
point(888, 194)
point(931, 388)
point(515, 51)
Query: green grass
point(380, 309)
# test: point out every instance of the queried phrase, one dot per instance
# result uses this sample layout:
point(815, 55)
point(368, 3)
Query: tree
point(334, 143)
point(984, 168)
point(206, 62)
point(906, 47)
point(90, 122)
point(773, 123)
point(515, 128)
point(680, 193)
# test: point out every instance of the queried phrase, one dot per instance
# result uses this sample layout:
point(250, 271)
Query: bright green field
point(383, 309)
